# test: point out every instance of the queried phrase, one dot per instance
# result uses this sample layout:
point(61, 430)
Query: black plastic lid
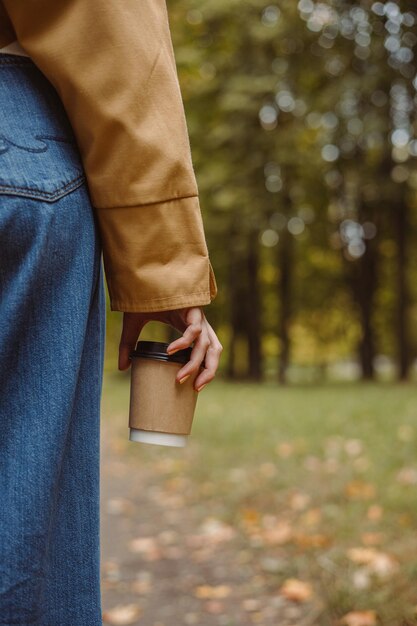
point(158, 350)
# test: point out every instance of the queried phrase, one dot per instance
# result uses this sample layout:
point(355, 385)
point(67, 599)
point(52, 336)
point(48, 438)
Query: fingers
point(132, 326)
point(197, 331)
point(197, 355)
point(212, 360)
point(194, 319)
point(207, 347)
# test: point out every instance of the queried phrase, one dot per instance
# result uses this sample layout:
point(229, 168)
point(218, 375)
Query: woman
point(94, 157)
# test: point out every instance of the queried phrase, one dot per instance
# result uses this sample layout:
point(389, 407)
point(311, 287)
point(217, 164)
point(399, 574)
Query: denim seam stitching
point(44, 194)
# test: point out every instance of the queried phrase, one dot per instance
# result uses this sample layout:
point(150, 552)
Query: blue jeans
point(52, 321)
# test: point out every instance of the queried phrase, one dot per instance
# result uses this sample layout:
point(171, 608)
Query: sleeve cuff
point(156, 257)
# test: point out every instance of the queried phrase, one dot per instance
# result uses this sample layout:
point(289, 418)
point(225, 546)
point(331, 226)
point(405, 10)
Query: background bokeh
point(302, 118)
point(294, 502)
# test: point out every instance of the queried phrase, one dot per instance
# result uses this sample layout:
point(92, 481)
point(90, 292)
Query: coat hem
point(142, 203)
point(169, 303)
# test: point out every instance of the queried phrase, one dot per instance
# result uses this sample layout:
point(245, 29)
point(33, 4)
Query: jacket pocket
point(39, 165)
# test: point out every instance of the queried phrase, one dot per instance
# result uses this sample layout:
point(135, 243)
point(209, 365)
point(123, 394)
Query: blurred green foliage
point(302, 121)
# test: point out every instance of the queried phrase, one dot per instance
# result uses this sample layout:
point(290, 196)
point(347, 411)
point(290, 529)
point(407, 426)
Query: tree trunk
point(362, 278)
point(403, 343)
point(285, 260)
point(233, 291)
point(253, 323)
point(367, 341)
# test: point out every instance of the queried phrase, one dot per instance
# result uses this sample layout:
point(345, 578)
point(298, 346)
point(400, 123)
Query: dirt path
point(169, 560)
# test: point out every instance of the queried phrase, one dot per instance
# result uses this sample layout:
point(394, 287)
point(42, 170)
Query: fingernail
point(202, 387)
point(172, 351)
point(182, 380)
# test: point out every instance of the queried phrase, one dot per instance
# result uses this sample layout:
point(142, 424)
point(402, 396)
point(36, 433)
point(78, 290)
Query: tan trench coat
point(113, 66)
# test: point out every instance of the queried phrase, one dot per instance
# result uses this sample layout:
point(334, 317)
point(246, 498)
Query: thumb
point(132, 327)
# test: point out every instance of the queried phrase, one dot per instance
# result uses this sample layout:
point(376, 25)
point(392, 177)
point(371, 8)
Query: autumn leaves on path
point(169, 558)
point(317, 530)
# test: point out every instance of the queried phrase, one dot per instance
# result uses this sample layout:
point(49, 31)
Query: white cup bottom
point(162, 439)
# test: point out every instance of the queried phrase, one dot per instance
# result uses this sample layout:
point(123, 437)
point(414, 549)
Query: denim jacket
point(113, 67)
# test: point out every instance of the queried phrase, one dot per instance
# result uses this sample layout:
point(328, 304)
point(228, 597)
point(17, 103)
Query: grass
point(337, 463)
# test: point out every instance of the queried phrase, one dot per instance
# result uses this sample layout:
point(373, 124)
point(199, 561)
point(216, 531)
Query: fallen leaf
point(285, 449)
point(359, 618)
point(213, 531)
point(280, 534)
point(384, 565)
point(119, 506)
point(177, 483)
point(121, 615)
point(296, 590)
point(361, 555)
point(214, 606)
point(316, 540)
point(374, 512)
point(353, 447)
point(299, 500)
point(407, 476)
point(250, 516)
point(377, 562)
point(361, 578)
point(357, 489)
point(251, 604)
point(111, 571)
point(147, 546)
point(312, 517)
point(312, 463)
point(373, 539)
point(212, 592)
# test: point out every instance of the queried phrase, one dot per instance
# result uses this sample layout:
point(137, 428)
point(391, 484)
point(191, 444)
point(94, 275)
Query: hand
point(193, 324)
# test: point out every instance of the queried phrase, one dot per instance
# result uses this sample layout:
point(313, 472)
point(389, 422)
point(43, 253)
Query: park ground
point(289, 506)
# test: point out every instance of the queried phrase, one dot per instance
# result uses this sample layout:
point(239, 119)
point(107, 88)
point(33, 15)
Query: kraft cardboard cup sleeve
point(161, 409)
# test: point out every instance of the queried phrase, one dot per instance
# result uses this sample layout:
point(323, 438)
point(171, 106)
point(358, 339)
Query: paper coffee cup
point(161, 409)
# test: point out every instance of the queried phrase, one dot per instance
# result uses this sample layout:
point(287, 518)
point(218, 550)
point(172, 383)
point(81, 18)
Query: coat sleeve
point(114, 69)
